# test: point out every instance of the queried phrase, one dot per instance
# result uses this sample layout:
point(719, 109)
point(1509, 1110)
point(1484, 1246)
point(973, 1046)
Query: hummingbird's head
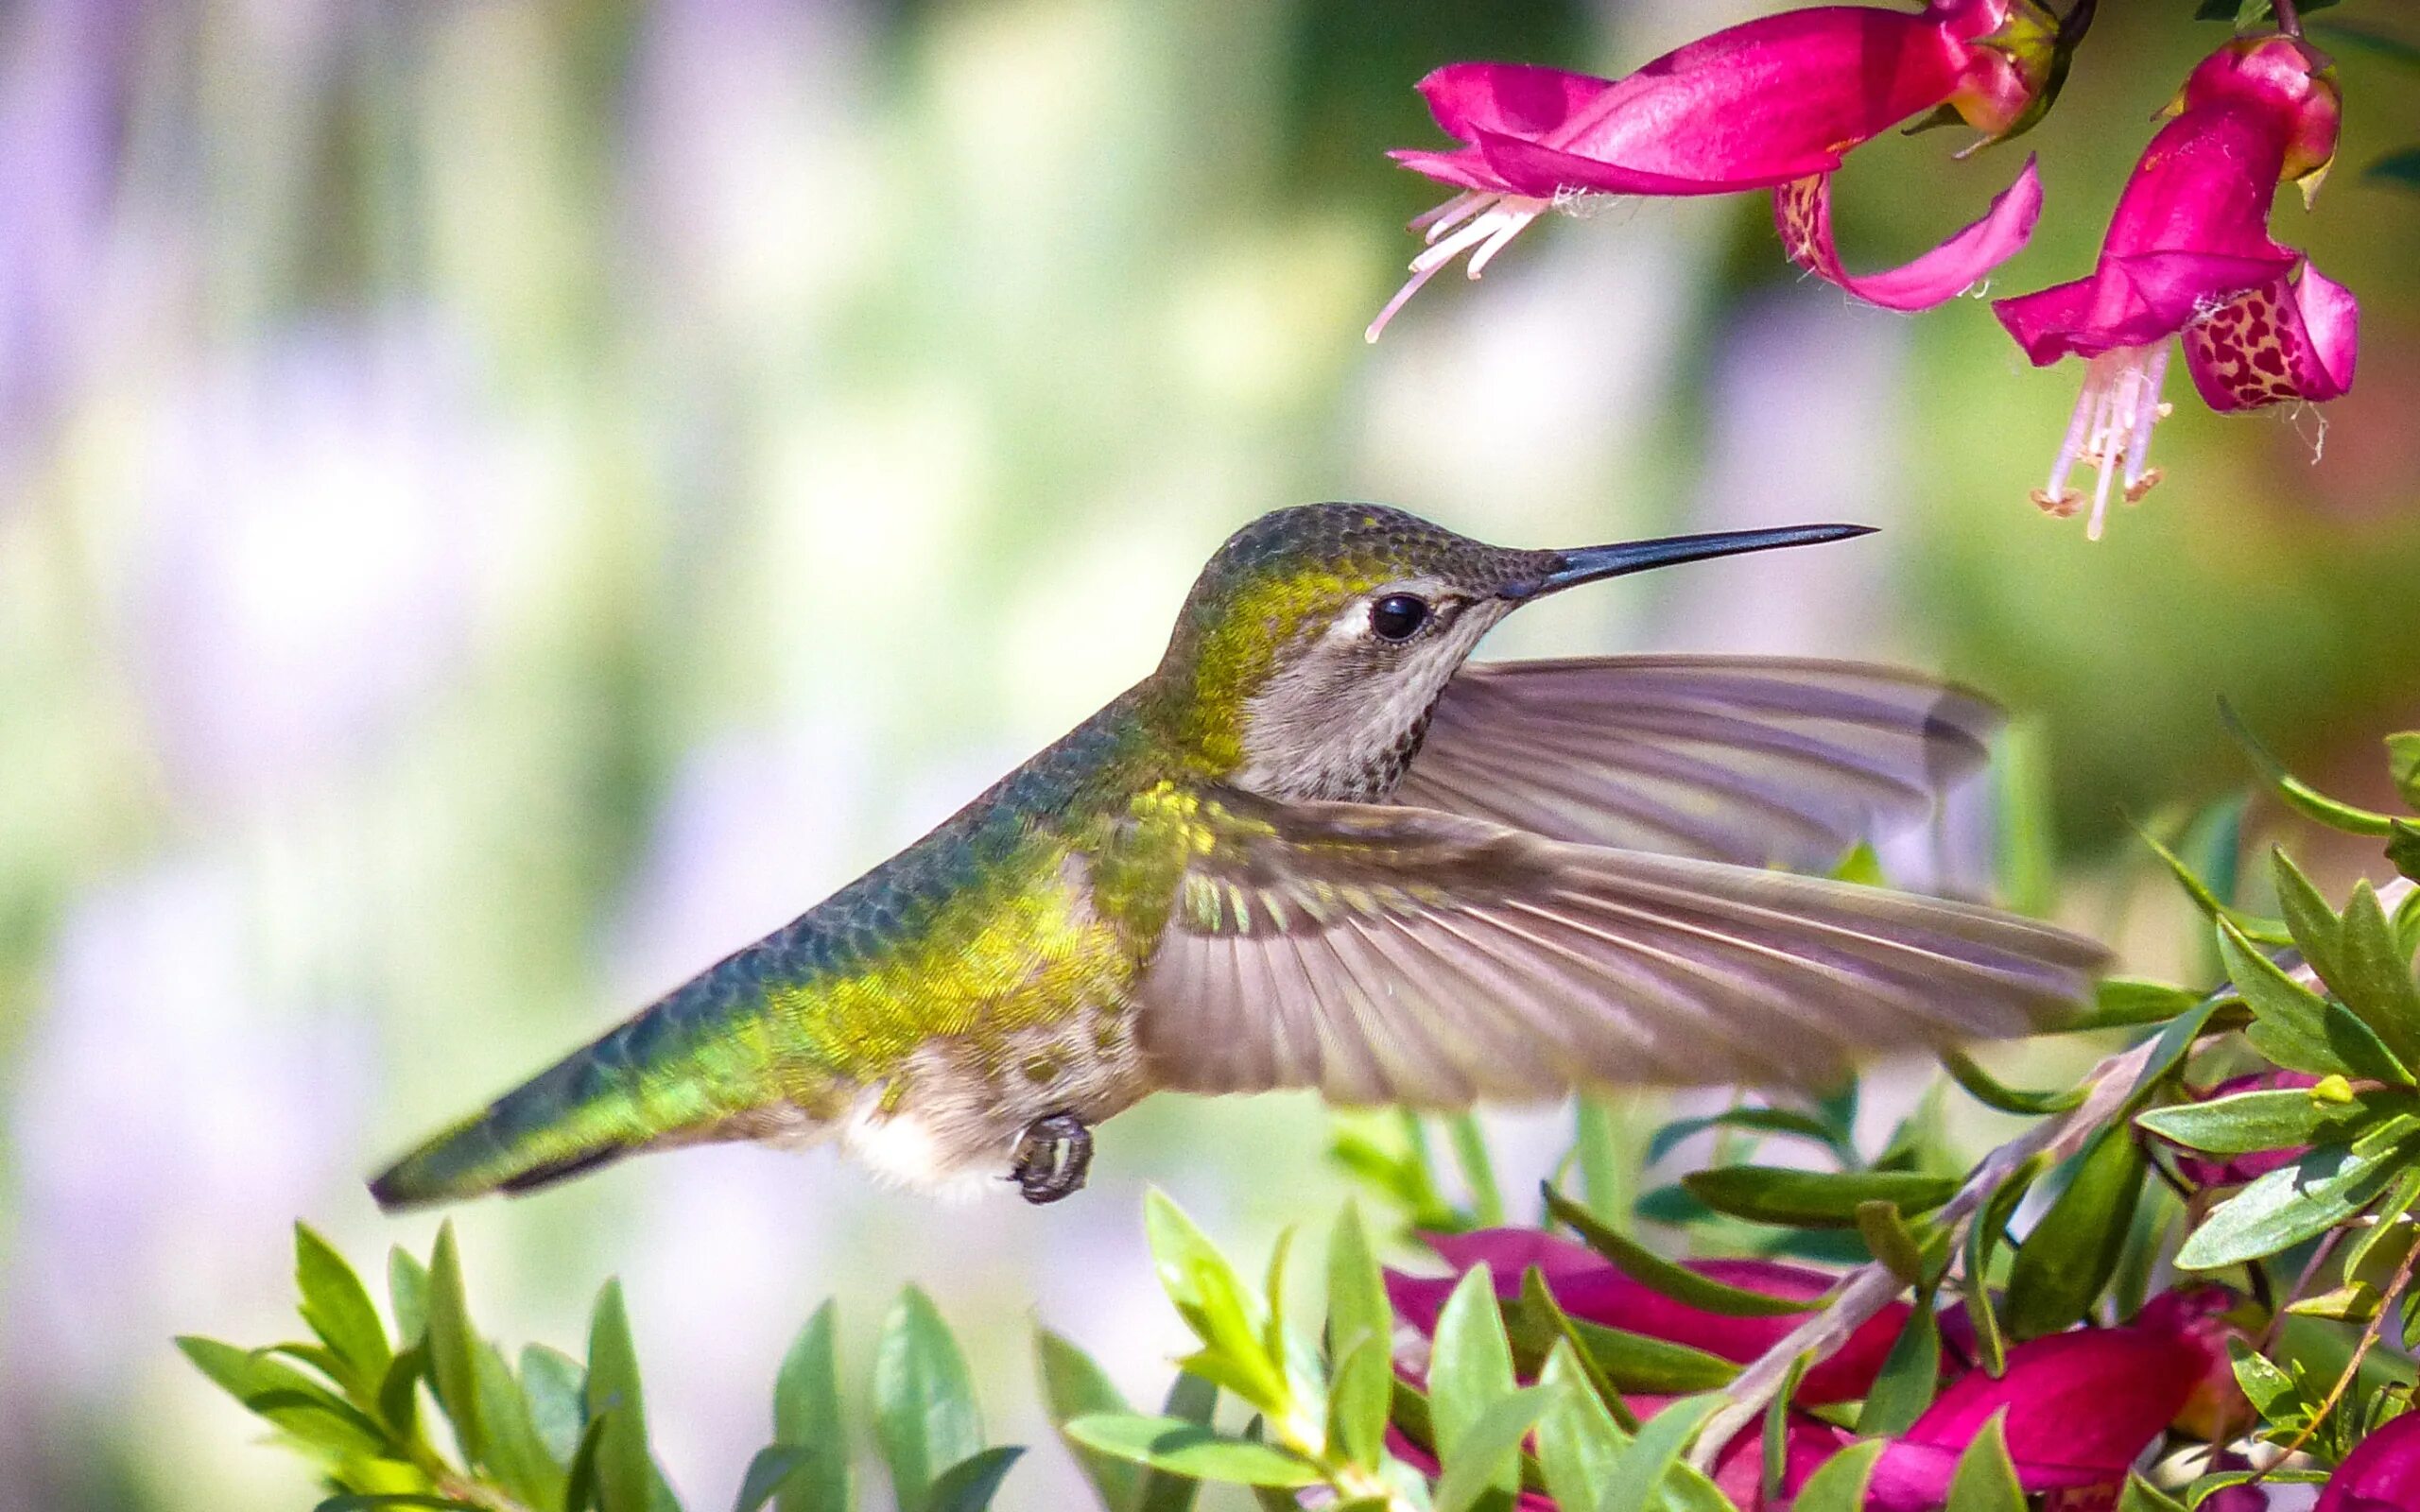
point(1318, 639)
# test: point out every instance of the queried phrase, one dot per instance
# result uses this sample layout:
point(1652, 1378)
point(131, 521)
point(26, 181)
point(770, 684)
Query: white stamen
point(2111, 431)
point(1480, 224)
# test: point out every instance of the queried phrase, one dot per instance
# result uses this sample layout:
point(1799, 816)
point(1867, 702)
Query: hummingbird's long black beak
point(1586, 564)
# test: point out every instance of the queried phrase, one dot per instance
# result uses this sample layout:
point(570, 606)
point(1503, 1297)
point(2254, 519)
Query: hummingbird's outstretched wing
point(1395, 954)
point(1757, 760)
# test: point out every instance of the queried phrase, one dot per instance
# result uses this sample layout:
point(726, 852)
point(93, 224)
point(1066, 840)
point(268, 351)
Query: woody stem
point(2289, 21)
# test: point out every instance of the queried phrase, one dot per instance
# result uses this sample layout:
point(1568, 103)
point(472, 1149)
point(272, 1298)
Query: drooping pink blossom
point(2382, 1474)
point(1589, 1288)
point(2189, 255)
point(1775, 103)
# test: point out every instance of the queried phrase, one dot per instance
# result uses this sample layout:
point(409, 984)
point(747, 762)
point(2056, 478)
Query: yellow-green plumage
point(1205, 886)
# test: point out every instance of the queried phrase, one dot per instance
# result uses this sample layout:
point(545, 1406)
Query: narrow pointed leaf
point(553, 1384)
point(2070, 1255)
point(969, 1484)
point(340, 1311)
point(517, 1455)
point(1839, 1484)
point(806, 1416)
point(773, 1463)
point(2296, 1027)
point(1073, 1386)
point(453, 1364)
point(2375, 975)
point(924, 1413)
point(2292, 1204)
point(1980, 1085)
point(1781, 1120)
point(1190, 1400)
point(1579, 1443)
point(1985, 1479)
point(2241, 1123)
point(625, 1474)
point(1488, 1458)
point(2295, 792)
point(579, 1480)
point(2125, 1003)
point(1470, 1363)
point(408, 1289)
point(1782, 1195)
point(1222, 1312)
point(1477, 1168)
point(1193, 1450)
point(1360, 1333)
point(1890, 1239)
point(1538, 1326)
point(1654, 1271)
point(1658, 1448)
point(2317, 934)
point(1909, 1375)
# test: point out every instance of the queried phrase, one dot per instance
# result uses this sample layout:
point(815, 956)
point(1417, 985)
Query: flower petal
point(1537, 171)
point(2080, 1407)
point(2291, 340)
point(2382, 1474)
point(1803, 209)
point(1513, 99)
point(2134, 301)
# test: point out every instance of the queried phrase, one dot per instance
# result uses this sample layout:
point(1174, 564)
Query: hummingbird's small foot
point(1053, 1156)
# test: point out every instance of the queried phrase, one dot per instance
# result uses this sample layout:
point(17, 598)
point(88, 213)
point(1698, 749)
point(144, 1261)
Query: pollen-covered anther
point(2059, 506)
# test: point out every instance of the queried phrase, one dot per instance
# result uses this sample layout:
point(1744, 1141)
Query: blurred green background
point(503, 501)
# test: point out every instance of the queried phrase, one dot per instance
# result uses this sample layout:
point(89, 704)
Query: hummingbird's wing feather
point(1383, 954)
point(1756, 759)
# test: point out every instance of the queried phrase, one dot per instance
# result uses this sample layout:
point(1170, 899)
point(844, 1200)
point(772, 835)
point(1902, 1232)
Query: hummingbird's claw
point(1054, 1155)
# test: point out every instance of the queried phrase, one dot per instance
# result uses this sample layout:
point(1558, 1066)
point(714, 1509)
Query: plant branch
point(2289, 20)
point(1867, 1290)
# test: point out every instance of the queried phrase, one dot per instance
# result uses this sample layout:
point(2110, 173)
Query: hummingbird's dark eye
point(1397, 616)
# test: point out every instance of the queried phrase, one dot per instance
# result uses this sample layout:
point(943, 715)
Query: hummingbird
point(1314, 849)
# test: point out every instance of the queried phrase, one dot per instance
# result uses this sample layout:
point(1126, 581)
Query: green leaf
point(1073, 1386)
point(1784, 1121)
point(340, 1311)
point(2141, 1496)
point(1538, 1325)
point(2400, 167)
point(1780, 1194)
point(399, 1392)
point(1191, 1400)
point(773, 1463)
point(1980, 1085)
point(2241, 1123)
point(2374, 975)
point(2295, 792)
point(806, 1416)
point(1657, 1448)
point(284, 1396)
point(553, 1384)
point(2296, 1027)
point(579, 1480)
point(1599, 1149)
point(1360, 1333)
point(1654, 1271)
point(1982, 1235)
point(2402, 748)
point(517, 1456)
point(2211, 905)
point(1578, 1439)
point(453, 1365)
point(1224, 1314)
point(1477, 1168)
point(1985, 1479)
point(1839, 1484)
point(1488, 1454)
point(924, 1399)
point(1470, 1365)
point(625, 1476)
point(369, 1501)
point(969, 1484)
point(1193, 1450)
point(2313, 925)
point(1774, 1450)
point(2072, 1252)
point(1626, 1361)
point(1909, 1374)
point(2127, 1003)
point(2282, 1209)
point(407, 1289)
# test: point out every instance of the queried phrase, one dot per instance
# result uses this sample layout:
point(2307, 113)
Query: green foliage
point(564, 1435)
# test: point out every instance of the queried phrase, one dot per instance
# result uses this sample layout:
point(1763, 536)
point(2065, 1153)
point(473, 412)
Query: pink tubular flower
point(1771, 104)
point(2188, 254)
point(2080, 1406)
point(2382, 1474)
point(1586, 1286)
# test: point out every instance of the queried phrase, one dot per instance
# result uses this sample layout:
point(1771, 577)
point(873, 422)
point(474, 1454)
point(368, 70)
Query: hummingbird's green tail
point(684, 1069)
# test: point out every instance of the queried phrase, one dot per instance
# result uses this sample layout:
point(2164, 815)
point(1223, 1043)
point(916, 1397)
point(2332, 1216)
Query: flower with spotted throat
point(2188, 254)
point(1773, 104)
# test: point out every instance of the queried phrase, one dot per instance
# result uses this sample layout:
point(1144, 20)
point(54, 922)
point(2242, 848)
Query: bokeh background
point(503, 501)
